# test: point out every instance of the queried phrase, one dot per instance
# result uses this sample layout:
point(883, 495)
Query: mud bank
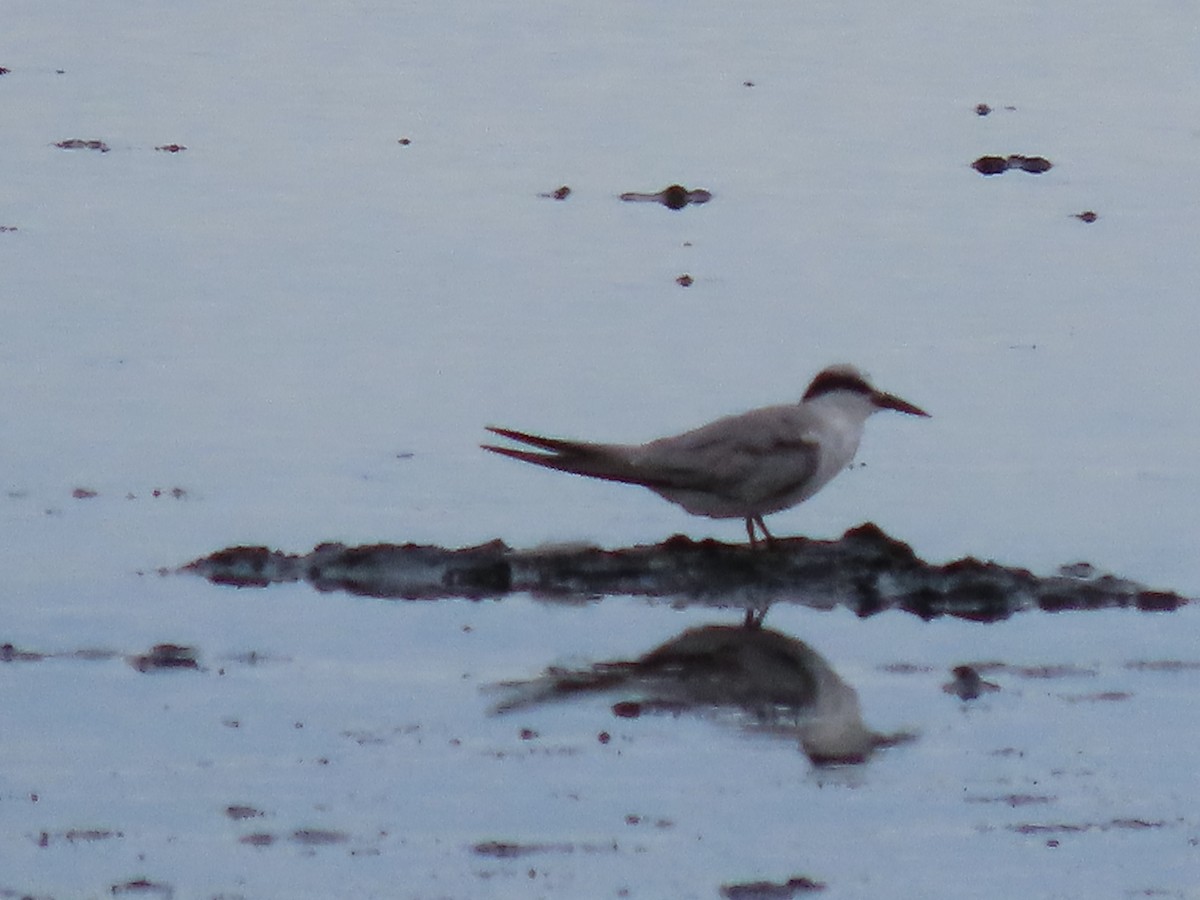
point(865, 570)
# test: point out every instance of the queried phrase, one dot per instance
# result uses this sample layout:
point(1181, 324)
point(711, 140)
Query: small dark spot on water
point(9, 653)
point(1162, 665)
point(559, 193)
point(1034, 164)
point(684, 280)
point(967, 684)
point(1015, 800)
point(238, 812)
point(143, 886)
point(171, 148)
point(905, 668)
point(318, 837)
point(982, 109)
point(674, 196)
point(78, 836)
point(82, 493)
point(404, 142)
point(1086, 216)
point(770, 890)
point(1052, 671)
point(990, 165)
point(165, 656)
point(1098, 697)
point(1077, 828)
point(995, 165)
point(627, 709)
point(505, 849)
point(528, 734)
point(82, 144)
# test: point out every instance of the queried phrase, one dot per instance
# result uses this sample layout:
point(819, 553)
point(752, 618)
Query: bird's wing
point(754, 457)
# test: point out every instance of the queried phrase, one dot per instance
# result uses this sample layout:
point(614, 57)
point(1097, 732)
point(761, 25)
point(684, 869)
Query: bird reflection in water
point(774, 682)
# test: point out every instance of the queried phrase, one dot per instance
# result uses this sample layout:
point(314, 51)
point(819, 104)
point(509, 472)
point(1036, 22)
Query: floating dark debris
point(9, 653)
point(514, 850)
point(995, 165)
point(984, 109)
point(318, 837)
point(4, 71)
point(404, 142)
point(990, 165)
point(684, 280)
point(1086, 216)
point(676, 196)
point(866, 571)
point(143, 887)
point(560, 193)
point(79, 144)
point(4, 229)
point(171, 148)
point(77, 836)
point(165, 656)
point(239, 811)
point(771, 890)
point(968, 684)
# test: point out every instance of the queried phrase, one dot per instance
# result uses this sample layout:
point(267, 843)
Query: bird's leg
point(754, 617)
point(750, 531)
point(758, 520)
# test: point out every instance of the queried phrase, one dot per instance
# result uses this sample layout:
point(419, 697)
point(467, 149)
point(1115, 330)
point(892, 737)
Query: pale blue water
point(304, 325)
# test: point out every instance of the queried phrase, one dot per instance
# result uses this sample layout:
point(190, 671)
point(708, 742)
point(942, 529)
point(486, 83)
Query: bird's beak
point(891, 401)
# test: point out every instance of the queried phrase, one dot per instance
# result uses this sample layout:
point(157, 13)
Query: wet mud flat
point(865, 570)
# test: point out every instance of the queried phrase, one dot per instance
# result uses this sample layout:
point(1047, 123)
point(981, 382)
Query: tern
point(744, 466)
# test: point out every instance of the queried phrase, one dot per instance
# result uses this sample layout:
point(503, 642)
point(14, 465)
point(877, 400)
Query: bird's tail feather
point(605, 461)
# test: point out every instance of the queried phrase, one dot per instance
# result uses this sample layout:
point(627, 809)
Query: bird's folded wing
point(747, 463)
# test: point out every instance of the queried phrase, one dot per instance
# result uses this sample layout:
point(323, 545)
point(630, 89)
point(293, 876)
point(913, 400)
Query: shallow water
point(294, 330)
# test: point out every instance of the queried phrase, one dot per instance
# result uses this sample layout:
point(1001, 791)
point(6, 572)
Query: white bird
point(739, 467)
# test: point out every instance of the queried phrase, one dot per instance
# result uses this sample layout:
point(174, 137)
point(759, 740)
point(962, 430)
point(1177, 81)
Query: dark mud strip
point(770, 890)
point(674, 196)
point(866, 570)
